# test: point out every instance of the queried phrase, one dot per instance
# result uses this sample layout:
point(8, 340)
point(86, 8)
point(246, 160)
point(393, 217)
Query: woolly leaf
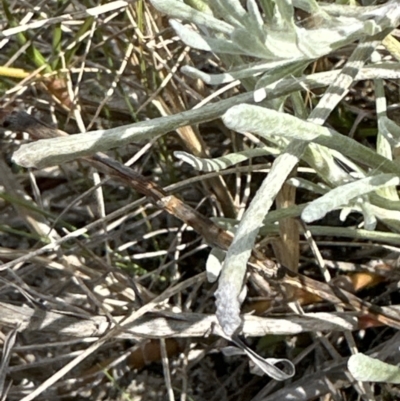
point(342, 195)
point(178, 9)
point(220, 163)
point(274, 70)
point(365, 368)
point(281, 71)
point(233, 272)
point(390, 130)
point(267, 122)
point(193, 39)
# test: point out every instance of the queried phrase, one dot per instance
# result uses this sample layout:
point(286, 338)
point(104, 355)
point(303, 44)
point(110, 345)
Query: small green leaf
point(365, 368)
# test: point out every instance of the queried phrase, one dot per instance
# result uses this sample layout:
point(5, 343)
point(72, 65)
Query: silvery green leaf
point(283, 44)
point(344, 194)
point(268, 6)
point(209, 79)
point(265, 122)
point(227, 300)
point(386, 15)
point(239, 72)
point(180, 10)
point(346, 232)
point(382, 17)
point(357, 171)
point(299, 182)
point(214, 264)
point(380, 201)
point(282, 70)
point(284, 15)
point(339, 10)
point(345, 212)
point(220, 163)
point(391, 218)
point(370, 220)
point(390, 130)
point(267, 365)
point(254, 21)
point(314, 43)
point(200, 5)
point(274, 216)
point(54, 151)
point(234, 8)
point(221, 12)
point(194, 39)
point(371, 28)
point(322, 161)
point(233, 272)
point(254, 13)
point(388, 136)
point(252, 45)
point(365, 368)
point(310, 6)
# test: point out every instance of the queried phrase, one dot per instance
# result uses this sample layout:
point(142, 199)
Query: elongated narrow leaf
point(253, 46)
point(265, 122)
point(388, 138)
point(390, 130)
point(299, 182)
point(178, 9)
point(220, 11)
point(265, 365)
point(255, 14)
point(273, 69)
point(200, 42)
point(284, 15)
point(285, 69)
point(220, 163)
point(234, 8)
point(234, 269)
point(370, 220)
point(47, 152)
point(342, 195)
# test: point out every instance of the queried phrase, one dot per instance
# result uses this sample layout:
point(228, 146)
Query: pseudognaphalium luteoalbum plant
point(267, 33)
point(267, 50)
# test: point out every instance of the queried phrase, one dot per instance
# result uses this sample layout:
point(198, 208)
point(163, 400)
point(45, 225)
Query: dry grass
point(103, 296)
